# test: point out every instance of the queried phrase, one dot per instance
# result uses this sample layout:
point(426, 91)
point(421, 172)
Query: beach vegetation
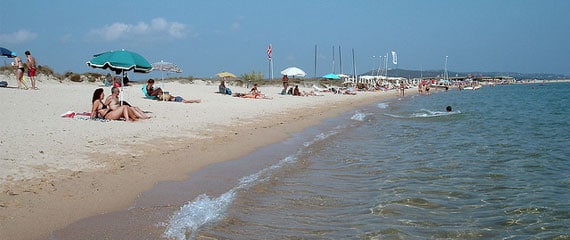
point(253, 76)
point(74, 77)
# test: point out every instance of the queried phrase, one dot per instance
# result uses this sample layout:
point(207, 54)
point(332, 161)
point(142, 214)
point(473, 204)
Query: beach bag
point(228, 91)
point(3, 84)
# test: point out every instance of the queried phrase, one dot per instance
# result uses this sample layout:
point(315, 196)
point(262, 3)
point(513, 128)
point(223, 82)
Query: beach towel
point(76, 115)
point(146, 95)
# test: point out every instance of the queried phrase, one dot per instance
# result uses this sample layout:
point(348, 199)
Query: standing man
point(31, 63)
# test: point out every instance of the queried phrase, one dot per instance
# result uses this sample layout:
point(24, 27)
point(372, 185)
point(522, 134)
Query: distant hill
point(435, 73)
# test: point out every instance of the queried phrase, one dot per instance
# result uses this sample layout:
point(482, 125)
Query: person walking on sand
point(20, 72)
point(32, 65)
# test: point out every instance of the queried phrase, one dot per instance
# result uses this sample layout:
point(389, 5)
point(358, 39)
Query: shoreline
point(62, 197)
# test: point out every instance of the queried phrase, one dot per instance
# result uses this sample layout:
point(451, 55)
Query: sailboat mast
point(353, 66)
point(315, 61)
point(333, 60)
point(445, 75)
point(386, 62)
point(340, 60)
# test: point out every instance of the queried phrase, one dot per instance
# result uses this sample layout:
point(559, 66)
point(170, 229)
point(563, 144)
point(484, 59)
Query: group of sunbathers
point(112, 108)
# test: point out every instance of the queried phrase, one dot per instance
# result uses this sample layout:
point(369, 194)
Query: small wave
point(204, 210)
point(382, 105)
point(319, 137)
point(196, 213)
point(429, 113)
point(395, 116)
point(358, 116)
point(424, 113)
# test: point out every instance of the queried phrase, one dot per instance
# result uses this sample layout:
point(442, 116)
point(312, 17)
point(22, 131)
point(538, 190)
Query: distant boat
point(474, 87)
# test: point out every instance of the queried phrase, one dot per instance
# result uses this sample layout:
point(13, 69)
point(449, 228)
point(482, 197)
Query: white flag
point(394, 58)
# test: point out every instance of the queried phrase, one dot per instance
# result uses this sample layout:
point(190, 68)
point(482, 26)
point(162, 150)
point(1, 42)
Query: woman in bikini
point(100, 110)
point(20, 72)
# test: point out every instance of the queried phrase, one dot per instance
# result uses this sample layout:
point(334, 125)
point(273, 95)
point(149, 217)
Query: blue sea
point(496, 167)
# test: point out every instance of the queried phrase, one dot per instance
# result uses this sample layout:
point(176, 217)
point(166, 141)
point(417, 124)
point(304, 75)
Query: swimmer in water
point(448, 108)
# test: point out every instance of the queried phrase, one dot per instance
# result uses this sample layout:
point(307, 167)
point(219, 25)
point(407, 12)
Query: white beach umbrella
point(293, 72)
point(163, 66)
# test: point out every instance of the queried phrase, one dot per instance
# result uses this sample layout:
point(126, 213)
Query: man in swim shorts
point(31, 63)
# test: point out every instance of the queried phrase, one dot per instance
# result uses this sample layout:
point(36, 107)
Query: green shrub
point(253, 76)
point(74, 77)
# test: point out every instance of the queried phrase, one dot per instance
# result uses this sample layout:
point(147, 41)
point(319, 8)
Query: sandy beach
point(56, 170)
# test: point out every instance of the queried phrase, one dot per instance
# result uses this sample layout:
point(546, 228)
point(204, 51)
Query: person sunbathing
point(113, 102)
point(254, 93)
point(150, 89)
point(164, 96)
point(100, 110)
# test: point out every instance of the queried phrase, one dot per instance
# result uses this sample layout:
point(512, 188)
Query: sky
point(207, 37)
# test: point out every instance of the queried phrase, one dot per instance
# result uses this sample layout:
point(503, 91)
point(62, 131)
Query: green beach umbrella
point(331, 76)
point(120, 61)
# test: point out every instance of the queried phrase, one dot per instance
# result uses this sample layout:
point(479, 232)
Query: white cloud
point(157, 26)
point(20, 36)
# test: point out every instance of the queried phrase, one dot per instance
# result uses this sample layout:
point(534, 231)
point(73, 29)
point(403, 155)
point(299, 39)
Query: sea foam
point(205, 210)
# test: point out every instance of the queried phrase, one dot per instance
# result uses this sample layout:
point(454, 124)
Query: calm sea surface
point(497, 167)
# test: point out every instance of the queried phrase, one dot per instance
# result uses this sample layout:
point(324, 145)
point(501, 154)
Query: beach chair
point(146, 95)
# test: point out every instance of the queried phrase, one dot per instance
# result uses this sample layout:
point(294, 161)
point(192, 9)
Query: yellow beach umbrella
point(226, 75)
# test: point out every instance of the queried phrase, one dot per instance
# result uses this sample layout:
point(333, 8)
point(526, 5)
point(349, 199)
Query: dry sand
point(54, 170)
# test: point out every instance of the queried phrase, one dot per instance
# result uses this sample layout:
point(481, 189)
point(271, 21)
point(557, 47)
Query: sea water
point(496, 167)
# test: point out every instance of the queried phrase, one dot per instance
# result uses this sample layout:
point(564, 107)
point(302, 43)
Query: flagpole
point(269, 58)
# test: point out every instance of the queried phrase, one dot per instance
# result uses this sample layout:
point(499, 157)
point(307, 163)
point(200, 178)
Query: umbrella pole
point(122, 93)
